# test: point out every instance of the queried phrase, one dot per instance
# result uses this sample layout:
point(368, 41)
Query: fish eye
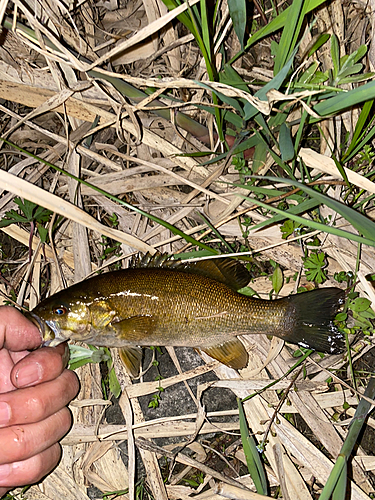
point(59, 311)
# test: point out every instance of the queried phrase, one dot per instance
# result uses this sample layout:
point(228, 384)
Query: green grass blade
point(333, 478)
point(184, 18)
point(275, 25)
point(345, 100)
point(335, 55)
point(337, 476)
point(320, 41)
point(206, 32)
point(228, 100)
point(361, 223)
point(305, 206)
point(254, 463)
point(216, 232)
point(361, 144)
point(287, 40)
point(285, 143)
point(339, 167)
point(301, 359)
point(237, 11)
point(275, 83)
point(230, 76)
point(359, 128)
point(339, 493)
point(316, 225)
point(163, 223)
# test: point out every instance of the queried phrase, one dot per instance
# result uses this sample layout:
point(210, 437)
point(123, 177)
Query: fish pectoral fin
point(231, 353)
point(135, 329)
point(131, 357)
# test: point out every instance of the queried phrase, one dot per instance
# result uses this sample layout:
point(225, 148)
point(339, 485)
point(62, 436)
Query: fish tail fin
point(312, 325)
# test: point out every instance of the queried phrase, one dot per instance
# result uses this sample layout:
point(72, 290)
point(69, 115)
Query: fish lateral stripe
point(171, 306)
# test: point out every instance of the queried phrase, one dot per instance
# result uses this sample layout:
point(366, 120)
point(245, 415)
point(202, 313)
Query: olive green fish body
point(161, 306)
point(175, 308)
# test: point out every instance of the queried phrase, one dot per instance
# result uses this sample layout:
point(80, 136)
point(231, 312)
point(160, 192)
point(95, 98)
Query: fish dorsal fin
point(151, 261)
point(225, 270)
point(228, 271)
point(231, 353)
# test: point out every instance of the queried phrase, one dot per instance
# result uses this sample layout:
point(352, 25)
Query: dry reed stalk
point(90, 453)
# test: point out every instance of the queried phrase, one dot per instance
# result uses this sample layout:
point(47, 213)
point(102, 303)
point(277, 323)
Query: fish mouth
point(45, 332)
point(49, 331)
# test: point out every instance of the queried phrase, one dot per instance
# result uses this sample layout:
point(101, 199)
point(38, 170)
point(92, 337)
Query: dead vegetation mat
point(52, 106)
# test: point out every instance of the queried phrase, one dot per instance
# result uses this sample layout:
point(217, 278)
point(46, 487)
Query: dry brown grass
point(49, 106)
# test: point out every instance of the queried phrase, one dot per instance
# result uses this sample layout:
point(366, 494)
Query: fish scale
point(185, 306)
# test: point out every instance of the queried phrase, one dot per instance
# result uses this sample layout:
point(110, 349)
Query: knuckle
point(34, 406)
point(72, 384)
point(18, 448)
point(66, 420)
point(33, 469)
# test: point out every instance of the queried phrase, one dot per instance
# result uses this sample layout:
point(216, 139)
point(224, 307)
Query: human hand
point(35, 388)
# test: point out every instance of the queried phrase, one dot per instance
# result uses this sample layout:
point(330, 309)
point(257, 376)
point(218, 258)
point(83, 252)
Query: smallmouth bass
point(162, 302)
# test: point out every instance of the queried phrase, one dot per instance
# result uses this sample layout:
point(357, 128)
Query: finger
point(35, 404)
point(21, 442)
point(6, 365)
point(17, 356)
point(16, 332)
point(40, 366)
point(31, 470)
point(3, 491)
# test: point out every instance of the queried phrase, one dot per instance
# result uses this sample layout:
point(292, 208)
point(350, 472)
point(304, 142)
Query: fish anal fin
point(136, 329)
point(231, 353)
point(131, 358)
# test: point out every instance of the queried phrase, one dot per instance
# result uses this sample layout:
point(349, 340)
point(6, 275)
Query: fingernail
point(29, 374)
point(66, 356)
point(4, 413)
point(5, 471)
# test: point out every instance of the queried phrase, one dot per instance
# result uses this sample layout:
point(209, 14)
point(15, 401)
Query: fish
point(163, 302)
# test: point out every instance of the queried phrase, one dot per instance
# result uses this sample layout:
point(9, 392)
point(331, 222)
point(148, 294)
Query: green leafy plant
point(109, 247)
point(345, 69)
point(366, 156)
point(29, 213)
point(314, 266)
point(252, 454)
point(241, 166)
point(289, 228)
point(277, 278)
point(343, 276)
point(195, 480)
point(362, 313)
point(80, 356)
point(112, 381)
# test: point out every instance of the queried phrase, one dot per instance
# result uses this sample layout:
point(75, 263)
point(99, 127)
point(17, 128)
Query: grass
point(175, 145)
